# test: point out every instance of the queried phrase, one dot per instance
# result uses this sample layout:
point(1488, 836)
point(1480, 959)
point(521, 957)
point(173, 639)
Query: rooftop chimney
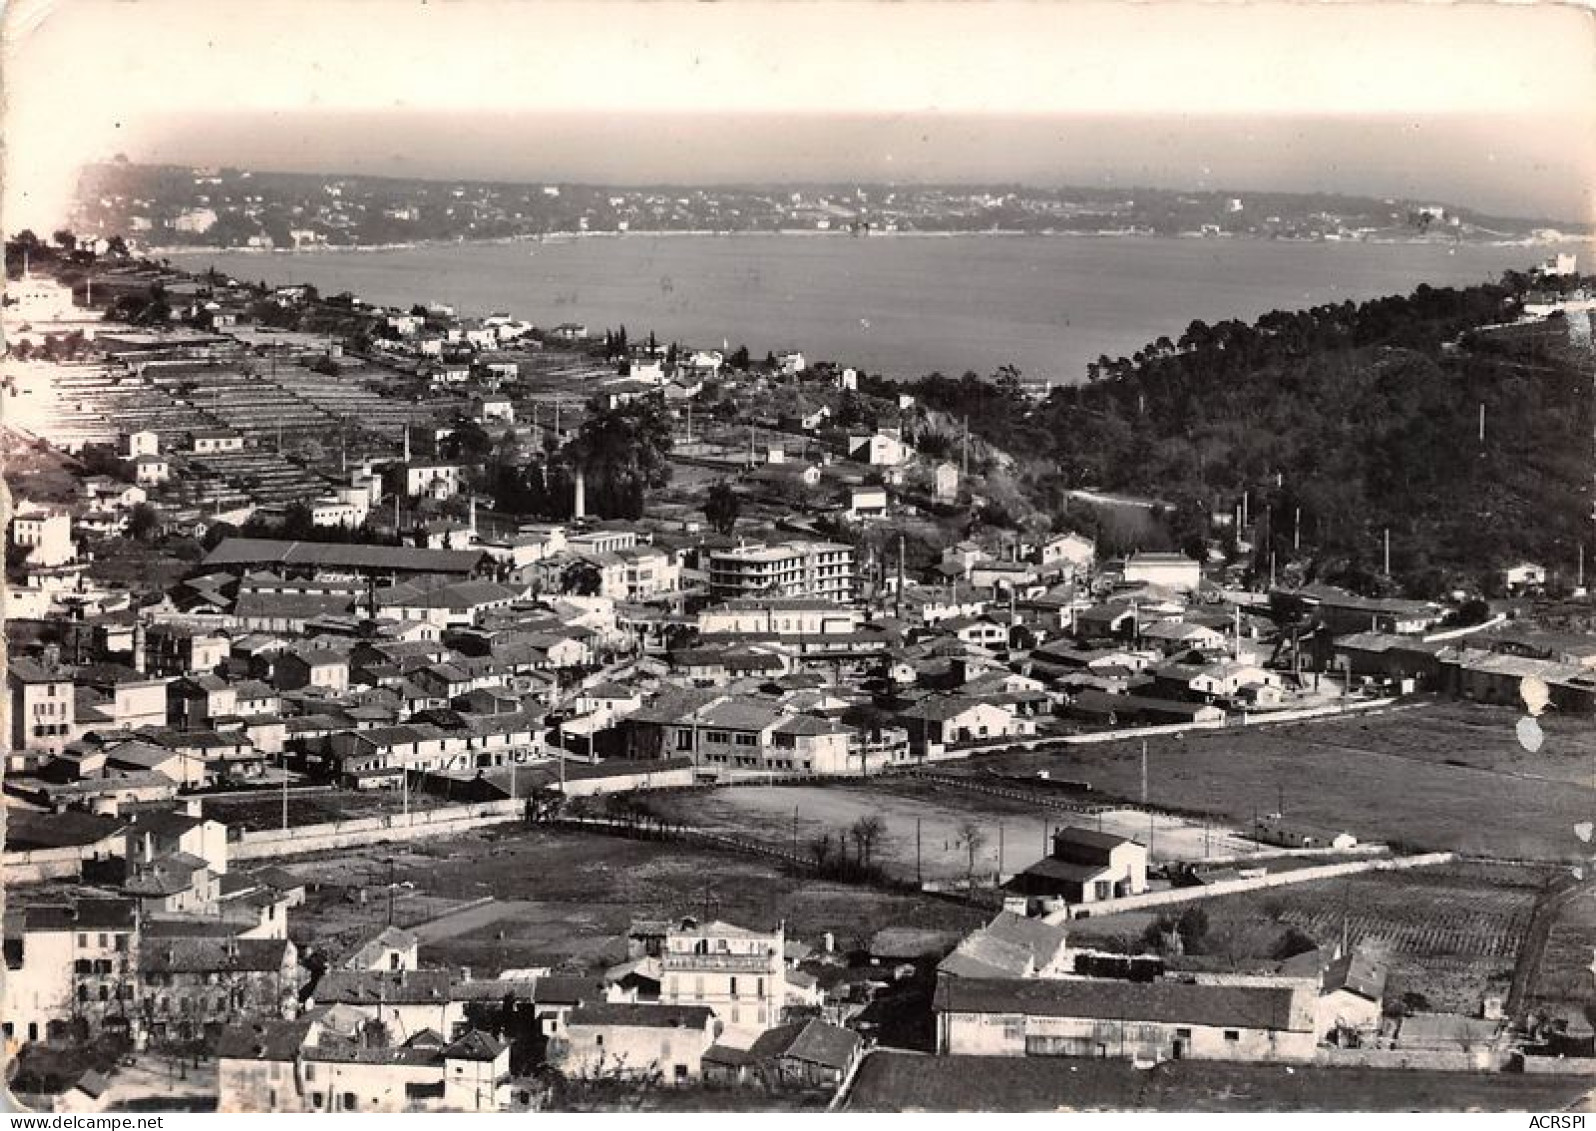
point(579, 507)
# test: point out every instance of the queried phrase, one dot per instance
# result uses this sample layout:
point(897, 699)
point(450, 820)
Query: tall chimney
point(579, 507)
point(138, 647)
point(473, 514)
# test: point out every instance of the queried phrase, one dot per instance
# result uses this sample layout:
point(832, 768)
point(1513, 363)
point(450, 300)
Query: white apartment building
point(787, 569)
point(738, 973)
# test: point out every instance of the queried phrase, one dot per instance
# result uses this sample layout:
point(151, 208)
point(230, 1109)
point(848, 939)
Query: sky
point(1486, 105)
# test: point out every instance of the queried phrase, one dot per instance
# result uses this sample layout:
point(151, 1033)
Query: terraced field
point(1449, 934)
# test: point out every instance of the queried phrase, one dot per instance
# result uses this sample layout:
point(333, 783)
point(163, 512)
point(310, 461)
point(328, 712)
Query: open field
point(568, 897)
point(1015, 834)
point(1434, 777)
point(901, 1082)
point(1449, 933)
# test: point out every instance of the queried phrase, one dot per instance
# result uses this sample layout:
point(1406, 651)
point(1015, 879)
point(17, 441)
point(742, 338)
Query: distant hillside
point(168, 206)
point(1358, 419)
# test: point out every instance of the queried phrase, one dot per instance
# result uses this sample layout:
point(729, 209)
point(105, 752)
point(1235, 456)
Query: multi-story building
point(731, 736)
point(43, 711)
point(45, 533)
point(193, 985)
point(737, 973)
point(798, 617)
point(787, 569)
point(71, 967)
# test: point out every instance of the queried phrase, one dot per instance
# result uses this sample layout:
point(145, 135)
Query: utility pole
point(1296, 531)
point(964, 458)
point(285, 792)
point(390, 891)
point(919, 872)
point(1482, 424)
point(1144, 773)
point(1388, 551)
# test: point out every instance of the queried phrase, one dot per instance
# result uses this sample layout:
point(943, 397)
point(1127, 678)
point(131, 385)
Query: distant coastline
point(701, 233)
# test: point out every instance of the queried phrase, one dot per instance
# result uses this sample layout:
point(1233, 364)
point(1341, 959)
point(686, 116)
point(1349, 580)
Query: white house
point(1524, 575)
point(45, 533)
point(883, 449)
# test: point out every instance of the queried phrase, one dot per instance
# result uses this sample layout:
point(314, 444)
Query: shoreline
point(557, 238)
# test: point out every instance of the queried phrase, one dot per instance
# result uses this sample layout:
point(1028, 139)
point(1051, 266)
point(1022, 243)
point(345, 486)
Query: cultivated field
point(1448, 933)
point(1437, 776)
point(890, 1081)
point(568, 897)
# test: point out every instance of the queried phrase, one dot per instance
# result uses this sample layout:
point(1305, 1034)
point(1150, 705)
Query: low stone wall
point(34, 867)
point(1231, 887)
point(622, 783)
point(447, 821)
point(1434, 1060)
point(1560, 1066)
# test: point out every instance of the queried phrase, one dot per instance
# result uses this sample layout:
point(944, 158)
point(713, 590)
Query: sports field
point(1439, 776)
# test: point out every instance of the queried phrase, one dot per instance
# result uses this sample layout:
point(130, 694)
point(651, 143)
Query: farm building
point(1086, 867)
point(1163, 1020)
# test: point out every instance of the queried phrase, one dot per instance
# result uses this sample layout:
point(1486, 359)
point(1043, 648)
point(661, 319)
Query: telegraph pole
point(919, 873)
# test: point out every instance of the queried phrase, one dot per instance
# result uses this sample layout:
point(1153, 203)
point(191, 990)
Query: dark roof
point(566, 989)
point(272, 551)
point(812, 1041)
point(264, 1040)
point(475, 1045)
point(1074, 835)
point(374, 987)
point(641, 1015)
point(85, 914)
point(1357, 973)
point(1217, 1006)
point(204, 955)
point(1048, 868)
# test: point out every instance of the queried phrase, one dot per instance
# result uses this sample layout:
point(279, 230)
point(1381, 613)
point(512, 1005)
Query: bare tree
point(973, 838)
point(820, 848)
point(867, 832)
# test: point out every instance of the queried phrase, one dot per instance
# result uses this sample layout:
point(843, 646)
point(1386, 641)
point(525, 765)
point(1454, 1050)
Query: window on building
point(734, 986)
point(684, 740)
point(310, 1074)
point(747, 740)
point(1232, 1034)
point(1101, 889)
point(351, 1102)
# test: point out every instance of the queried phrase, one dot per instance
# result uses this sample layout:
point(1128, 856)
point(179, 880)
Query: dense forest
point(1338, 423)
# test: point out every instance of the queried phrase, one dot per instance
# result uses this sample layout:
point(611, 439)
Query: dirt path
point(1527, 971)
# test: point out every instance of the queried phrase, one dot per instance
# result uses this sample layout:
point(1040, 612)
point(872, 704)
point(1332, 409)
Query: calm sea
point(901, 306)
